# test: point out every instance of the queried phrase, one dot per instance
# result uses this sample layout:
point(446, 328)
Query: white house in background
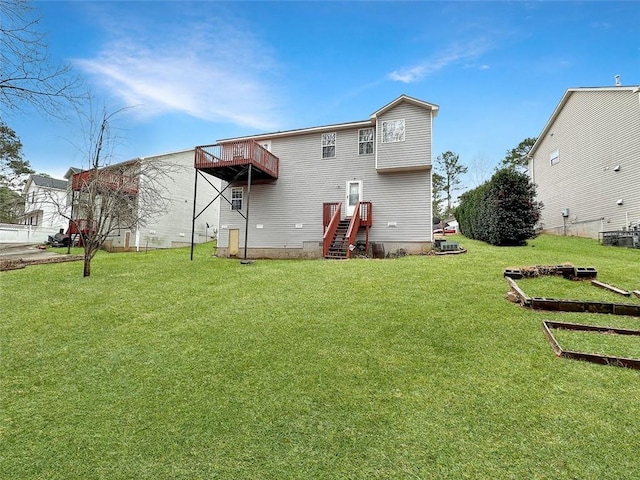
point(173, 228)
point(323, 191)
point(586, 162)
point(44, 197)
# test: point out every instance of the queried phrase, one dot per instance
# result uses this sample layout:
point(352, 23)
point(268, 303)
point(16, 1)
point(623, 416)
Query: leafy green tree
point(437, 192)
point(448, 166)
point(518, 158)
point(11, 205)
point(14, 170)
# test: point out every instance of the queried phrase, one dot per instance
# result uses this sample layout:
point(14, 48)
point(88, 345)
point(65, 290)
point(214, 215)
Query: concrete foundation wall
point(312, 250)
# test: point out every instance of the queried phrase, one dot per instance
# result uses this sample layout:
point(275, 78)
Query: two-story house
point(320, 191)
point(586, 162)
point(46, 203)
point(161, 208)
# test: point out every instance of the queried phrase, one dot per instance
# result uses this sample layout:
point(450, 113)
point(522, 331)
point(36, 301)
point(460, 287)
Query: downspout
point(431, 176)
point(375, 130)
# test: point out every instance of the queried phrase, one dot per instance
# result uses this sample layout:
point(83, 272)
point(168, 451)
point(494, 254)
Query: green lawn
point(159, 367)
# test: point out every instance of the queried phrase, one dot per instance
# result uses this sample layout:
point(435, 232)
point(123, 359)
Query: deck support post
point(246, 218)
point(69, 228)
point(193, 218)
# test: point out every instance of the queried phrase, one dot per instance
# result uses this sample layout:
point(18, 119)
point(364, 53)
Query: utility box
point(449, 246)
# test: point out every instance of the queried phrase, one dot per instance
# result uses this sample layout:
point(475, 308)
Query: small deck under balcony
point(228, 161)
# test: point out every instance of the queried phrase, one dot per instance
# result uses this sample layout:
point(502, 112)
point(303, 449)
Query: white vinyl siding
point(173, 228)
point(595, 131)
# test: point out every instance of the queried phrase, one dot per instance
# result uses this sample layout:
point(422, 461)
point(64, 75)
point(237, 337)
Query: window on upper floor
point(237, 194)
point(554, 157)
point(393, 131)
point(329, 145)
point(365, 141)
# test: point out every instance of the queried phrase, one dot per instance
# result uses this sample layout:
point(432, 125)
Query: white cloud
point(440, 61)
point(209, 71)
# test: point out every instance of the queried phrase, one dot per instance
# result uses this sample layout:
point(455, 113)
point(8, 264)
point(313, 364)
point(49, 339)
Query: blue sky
point(201, 71)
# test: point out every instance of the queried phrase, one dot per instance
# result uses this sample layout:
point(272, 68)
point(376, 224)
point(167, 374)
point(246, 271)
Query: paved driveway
point(25, 251)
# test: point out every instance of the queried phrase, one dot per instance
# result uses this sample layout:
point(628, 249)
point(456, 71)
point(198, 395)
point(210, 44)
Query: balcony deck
point(228, 161)
point(105, 179)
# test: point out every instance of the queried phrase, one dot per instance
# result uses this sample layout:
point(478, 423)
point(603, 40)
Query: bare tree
point(480, 169)
point(27, 76)
point(109, 197)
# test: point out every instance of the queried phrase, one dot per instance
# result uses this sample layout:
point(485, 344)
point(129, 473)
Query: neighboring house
point(173, 227)
point(46, 203)
point(320, 191)
point(586, 162)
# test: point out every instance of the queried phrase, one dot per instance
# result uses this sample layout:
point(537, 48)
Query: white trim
point(405, 98)
point(289, 133)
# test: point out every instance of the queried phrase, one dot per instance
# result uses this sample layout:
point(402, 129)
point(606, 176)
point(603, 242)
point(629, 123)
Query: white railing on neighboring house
point(13, 233)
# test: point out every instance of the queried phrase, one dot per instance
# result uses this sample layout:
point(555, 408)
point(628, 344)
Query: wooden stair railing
point(331, 220)
point(352, 232)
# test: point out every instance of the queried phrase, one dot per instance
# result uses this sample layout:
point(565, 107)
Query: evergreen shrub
point(502, 211)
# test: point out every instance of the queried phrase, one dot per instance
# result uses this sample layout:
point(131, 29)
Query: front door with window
point(354, 195)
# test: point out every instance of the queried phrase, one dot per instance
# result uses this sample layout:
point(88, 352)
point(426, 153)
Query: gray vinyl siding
point(415, 152)
point(594, 132)
point(306, 181)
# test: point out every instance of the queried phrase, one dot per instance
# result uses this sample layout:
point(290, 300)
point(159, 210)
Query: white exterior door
point(354, 195)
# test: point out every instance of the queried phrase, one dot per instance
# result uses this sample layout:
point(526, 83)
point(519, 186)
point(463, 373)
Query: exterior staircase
point(339, 248)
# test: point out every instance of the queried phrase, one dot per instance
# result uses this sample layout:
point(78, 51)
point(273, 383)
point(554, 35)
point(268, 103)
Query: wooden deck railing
point(105, 179)
point(365, 214)
point(330, 220)
point(237, 153)
point(80, 225)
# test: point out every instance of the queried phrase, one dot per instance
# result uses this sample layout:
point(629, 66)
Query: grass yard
point(156, 367)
